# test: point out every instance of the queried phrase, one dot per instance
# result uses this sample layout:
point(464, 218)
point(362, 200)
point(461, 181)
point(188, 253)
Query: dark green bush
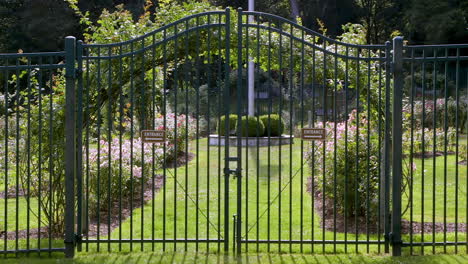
point(275, 125)
point(252, 127)
point(222, 125)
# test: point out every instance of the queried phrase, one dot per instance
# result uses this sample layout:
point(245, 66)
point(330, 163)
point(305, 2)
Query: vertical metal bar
point(280, 106)
point(28, 146)
point(411, 152)
point(143, 125)
point(291, 125)
point(387, 153)
point(379, 129)
point(346, 153)
point(153, 126)
point(176, 88)
point(423, 144)
point(197, 134)
point(109, 145)
point(70, 49)
point(5, 213)
point(269, 135)
point(17, 158)
point(121, 134)
point(226, 114)
point(239, 134)
point(186, 88)
point(335, 144)
point(301, 231)
point(98, 165)
point(164, 145)
point(311, 124)
point(257, 158)
point(457, 82)
point(445, 145)
point(368, 146)
point(132, 127)
point(51, 171)
point(434, 126)
point(87, 134)
point(220, 99)
point(79, 143)
point(397, 144)
point(356, 176)
point(324, 125)
point(220, 89)
point(250, 112)
point(39, 197)
point(208, 129)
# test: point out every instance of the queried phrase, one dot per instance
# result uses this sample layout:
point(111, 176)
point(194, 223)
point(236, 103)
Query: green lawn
point(192, 257)
point(277, 194)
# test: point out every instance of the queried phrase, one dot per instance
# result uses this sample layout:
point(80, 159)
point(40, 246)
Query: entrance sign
point(153, 136)
point(313, 134)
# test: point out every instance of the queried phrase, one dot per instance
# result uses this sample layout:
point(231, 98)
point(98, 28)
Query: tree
point(380, 19)
point(436, 22)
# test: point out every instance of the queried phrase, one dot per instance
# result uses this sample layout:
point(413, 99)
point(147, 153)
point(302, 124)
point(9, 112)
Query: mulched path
point(11, 193)
point(22, 234)
point(463, 162)
point(372, 226)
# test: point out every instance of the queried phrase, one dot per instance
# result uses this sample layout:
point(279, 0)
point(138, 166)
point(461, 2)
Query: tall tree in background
point(333, 13)
point(380, 18)
point(435, 21)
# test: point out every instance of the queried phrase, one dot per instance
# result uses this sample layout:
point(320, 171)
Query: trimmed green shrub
point(251, 127)
point(275, 125)
point(222, 125)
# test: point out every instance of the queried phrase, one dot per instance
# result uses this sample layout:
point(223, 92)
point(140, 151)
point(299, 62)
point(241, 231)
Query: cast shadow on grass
point(249, 258)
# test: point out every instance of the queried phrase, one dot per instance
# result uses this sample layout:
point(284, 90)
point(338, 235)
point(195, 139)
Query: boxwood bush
point(274, 124)
point(252, 127)
point(222, 125)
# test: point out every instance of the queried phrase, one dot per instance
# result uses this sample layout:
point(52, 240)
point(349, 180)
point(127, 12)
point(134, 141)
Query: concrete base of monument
point(216, 140)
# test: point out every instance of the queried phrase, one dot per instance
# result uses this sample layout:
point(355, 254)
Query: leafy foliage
point(251, 126)
point(274, 124)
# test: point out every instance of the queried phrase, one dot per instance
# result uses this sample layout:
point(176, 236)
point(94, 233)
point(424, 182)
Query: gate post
point(397, 145)
point(70, 56)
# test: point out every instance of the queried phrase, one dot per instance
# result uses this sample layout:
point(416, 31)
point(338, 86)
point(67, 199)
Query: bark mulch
point(337, 222)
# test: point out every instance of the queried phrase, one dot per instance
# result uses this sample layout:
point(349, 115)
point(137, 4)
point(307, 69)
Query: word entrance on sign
point(153, 136)
point(313, 134)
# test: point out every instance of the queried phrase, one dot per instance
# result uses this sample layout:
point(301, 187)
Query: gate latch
point(236, 172)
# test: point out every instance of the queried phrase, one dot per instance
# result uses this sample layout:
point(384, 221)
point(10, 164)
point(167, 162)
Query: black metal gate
point(249, 133)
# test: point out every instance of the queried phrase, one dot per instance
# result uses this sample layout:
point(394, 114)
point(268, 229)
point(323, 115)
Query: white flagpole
point(251, 72)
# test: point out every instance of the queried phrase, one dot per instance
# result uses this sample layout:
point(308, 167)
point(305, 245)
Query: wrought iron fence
point(147, 144)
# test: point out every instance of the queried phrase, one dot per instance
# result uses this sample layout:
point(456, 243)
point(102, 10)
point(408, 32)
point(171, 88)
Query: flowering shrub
point(356, 168)
point(180, 129)
point(413, 130)
point(115, 168)
point(437, 108)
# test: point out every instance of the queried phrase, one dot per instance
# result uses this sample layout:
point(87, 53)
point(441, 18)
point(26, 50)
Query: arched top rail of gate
point(166, 33)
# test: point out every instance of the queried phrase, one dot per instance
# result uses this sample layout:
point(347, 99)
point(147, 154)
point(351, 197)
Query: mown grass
point(192, 204)
point(193, 257)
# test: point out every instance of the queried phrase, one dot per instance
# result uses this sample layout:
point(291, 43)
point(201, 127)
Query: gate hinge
point(393, 241)
point(235, 172)
point(78, 238)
